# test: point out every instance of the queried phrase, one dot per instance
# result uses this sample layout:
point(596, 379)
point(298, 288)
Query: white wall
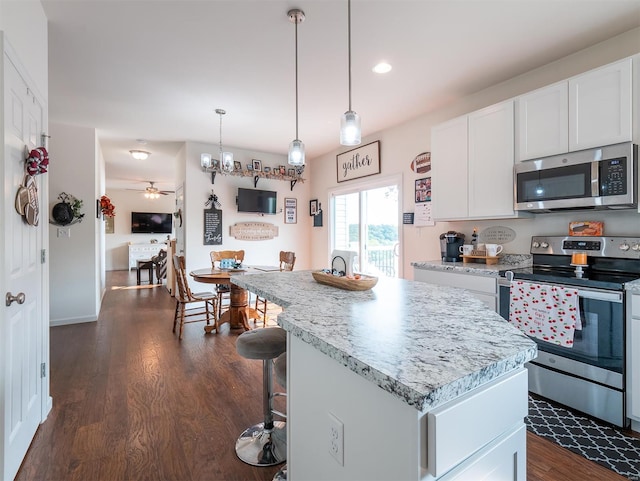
point(74, 261)
point(198, 187)
point(401, 144)
point(125, 202)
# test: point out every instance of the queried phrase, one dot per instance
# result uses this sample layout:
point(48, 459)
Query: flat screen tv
point(257, 201)
point(151, 223)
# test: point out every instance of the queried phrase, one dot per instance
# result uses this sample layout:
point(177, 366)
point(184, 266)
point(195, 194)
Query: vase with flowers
point(106, 207)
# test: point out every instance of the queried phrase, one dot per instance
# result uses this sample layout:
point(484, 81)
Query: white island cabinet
point(424, 382)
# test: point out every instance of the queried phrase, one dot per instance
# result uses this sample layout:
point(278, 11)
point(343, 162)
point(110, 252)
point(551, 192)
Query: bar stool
point(265, 443)
point(280, 368)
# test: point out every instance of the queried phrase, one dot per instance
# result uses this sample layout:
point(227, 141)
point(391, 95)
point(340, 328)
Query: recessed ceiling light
point(382, 67)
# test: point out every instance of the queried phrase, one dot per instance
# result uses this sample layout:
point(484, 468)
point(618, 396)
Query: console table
point(142, 251)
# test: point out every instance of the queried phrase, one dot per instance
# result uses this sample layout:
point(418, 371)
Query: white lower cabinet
point(490, 418)
point(504, 460)
point(481, 287)
point(633, 359)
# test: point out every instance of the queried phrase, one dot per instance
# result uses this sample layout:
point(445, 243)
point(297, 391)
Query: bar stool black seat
point(265, 443)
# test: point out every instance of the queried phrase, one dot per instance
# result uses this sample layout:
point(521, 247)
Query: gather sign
point(360, 162)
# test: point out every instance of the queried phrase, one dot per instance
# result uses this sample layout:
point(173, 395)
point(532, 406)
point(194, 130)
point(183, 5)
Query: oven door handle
point(609, 296)
point(600, 295)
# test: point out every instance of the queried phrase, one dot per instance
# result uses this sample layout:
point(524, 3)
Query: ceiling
point(157, 69)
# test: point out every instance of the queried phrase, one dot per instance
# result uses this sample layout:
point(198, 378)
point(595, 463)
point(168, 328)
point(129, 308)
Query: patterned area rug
point(597, 442)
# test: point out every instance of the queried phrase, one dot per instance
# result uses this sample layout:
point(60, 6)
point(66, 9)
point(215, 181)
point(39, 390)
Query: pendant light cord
point(220, 139)
point(296, 24)
point(349, 40)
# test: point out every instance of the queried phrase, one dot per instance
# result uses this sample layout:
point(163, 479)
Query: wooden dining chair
point(185, 297)
point(224, 290)
point(287, 261)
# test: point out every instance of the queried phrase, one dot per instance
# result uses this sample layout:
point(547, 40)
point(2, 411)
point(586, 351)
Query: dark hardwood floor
point(131, 402)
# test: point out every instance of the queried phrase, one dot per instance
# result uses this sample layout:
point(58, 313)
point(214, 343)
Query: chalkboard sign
point(212, 227)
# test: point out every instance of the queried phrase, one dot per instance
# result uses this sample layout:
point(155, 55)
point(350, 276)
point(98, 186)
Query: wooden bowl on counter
point(363, 284)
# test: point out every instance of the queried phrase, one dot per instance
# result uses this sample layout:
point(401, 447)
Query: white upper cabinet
point(588, 110)
point(600, 106)
point(449, 169)
point(491, 159)
point(472, 161)
point(543, 122)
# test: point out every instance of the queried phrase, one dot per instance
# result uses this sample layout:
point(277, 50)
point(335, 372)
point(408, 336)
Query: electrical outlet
point(336, 439)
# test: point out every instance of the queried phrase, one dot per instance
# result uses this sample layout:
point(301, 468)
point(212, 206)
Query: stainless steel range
point(589, 376)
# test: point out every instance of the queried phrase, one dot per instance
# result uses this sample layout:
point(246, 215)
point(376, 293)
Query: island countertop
point(423, 343)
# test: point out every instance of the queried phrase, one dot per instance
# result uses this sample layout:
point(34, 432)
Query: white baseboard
point(74, 320)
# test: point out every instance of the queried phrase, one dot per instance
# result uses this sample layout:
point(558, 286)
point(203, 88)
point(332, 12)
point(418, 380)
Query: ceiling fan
point(152, 192)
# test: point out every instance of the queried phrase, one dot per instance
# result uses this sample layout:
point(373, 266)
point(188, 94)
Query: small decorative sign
point(109, 225)
point(290, 210)
point(422, 163)
point(212, 227)
point(497, 235)
point(361, 162)
point(407, 218)
point(253, 231)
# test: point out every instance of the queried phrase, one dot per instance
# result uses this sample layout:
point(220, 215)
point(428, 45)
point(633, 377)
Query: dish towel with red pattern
point(550, 313)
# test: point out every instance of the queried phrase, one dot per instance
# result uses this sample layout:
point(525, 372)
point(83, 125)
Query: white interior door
point(21, 330)
point(365, 220)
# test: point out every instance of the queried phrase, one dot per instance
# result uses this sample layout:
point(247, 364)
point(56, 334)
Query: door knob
point(11, 298)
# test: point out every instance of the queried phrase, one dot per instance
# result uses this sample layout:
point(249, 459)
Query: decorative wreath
point(67, 211)
point(106, 207)
point(38, 161)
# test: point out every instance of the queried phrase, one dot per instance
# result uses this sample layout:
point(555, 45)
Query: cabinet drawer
point(452, 279)
point(505, 460)
point(458, 429)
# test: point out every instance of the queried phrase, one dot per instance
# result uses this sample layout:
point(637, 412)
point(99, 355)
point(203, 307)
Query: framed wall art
point(313, 207)
point(361, 162)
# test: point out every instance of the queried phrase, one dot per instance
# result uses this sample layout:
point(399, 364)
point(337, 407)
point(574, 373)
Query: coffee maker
point(450, 243)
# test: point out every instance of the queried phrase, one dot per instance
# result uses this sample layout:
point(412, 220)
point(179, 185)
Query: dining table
point(239, 311)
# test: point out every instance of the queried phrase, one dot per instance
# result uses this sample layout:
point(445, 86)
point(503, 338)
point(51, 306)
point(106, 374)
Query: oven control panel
point(618, 246)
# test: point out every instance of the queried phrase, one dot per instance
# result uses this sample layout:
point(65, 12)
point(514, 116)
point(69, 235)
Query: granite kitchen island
point(424, 381)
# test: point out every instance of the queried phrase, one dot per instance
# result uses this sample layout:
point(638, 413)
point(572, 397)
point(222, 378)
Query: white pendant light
point(296, 147)
point(226, 158)
point(350, 132)
point(205, 161)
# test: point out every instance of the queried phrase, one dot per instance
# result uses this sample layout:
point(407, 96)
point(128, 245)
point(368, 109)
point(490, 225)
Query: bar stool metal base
point(263, 447)
point(281, 475)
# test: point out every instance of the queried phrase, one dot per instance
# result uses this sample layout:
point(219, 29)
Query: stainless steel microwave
point(601, 178)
